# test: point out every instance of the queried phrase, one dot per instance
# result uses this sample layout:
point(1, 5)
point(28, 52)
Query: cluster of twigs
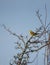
point(33, 44)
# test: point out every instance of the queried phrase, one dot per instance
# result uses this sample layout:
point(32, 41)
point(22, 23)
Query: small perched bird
point(33, 33)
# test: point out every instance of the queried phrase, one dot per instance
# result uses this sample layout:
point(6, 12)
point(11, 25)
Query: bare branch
point(38, 48)
point(45, 14)
point(13, 33)
point(39, 29)
point(39, 17)
point(47, 25)
point(38, 41)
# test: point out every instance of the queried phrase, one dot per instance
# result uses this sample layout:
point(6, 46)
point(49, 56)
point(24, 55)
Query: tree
point(27, 45)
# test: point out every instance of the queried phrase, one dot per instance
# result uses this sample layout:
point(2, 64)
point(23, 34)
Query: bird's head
point(30, 31)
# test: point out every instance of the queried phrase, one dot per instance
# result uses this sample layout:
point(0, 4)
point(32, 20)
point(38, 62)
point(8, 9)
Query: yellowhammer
point(33, 33)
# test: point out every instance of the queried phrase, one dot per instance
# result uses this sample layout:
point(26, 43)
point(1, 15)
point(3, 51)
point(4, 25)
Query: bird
point(33, 33)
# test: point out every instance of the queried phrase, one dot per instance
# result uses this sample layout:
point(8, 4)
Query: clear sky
point(20, 17)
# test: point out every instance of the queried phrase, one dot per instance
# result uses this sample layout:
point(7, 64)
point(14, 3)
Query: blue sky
point(20, 17)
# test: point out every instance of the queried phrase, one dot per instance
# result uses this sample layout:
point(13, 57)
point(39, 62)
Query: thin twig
point(33, 59)
point(38, 15)
point(47, 25)
point(37, 41)
point(46, 14)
